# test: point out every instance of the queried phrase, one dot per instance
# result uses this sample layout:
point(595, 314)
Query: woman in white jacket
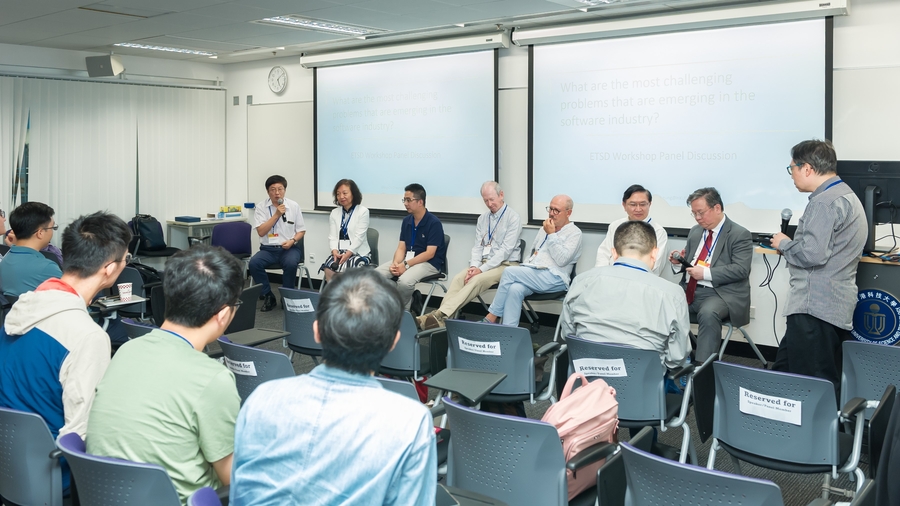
point(348, 225)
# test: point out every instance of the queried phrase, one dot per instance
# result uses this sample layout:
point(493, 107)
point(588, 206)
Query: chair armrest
point(55, 454)
point(547, 349)
point(852, 407)
point(438, 410)
point(197, 240)
point(149, 286)
point(681, 371)
point(426, 334)
point(591, 455)
point(820, 502)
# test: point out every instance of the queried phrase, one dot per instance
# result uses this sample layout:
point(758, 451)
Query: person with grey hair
point(611, 304)
point(556, 248)
point(496, 248)
point(718, 285)
point(822, 258)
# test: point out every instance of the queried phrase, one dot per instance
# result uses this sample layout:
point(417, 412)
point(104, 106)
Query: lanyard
point(635, 267)
point(412, 225)
point(834, 183)
point(542, 244)
point(179, 337)
point(346, 224)
point(710, 250)
point(491, 234)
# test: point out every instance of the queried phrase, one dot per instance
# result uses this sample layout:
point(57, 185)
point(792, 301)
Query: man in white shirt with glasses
point(636, 201)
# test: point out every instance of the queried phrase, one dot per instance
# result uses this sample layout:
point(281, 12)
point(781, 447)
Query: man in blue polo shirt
point(25, 267)
point(421, 251)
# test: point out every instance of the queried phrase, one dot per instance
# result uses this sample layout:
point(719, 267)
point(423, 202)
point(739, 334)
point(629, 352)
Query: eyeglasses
point(790, 169)
point(635, 205)
point(236, 304)
point(553, 211)
point(407, 200)
point(699, 214)
point(274, 189)
point(54, 227)
point(128, 258)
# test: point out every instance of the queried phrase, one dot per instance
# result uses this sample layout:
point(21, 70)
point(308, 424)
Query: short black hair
point(635, 188)
point(28, 218)
point(358, 318)
point(199, 282)
point(354, 190)
point(820, 155)
point(637, 236)
point(276, 179)
point(709, 194)
point(417, 190)
point(93, 241)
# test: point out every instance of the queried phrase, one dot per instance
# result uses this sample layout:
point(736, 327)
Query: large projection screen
point(428, 120)
point(676, 112)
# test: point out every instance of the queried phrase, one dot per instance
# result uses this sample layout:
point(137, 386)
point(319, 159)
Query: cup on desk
point(124, 291)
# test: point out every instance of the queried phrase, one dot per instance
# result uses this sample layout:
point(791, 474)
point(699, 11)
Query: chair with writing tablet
point(299, 315)
point(254, 366)
point(784, 422)
point(498, 348)
point(639, 379)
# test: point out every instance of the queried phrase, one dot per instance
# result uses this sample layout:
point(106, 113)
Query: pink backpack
point(583, 418)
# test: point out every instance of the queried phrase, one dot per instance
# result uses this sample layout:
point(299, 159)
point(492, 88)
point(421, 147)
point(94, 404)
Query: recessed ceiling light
point(164, 48)
point(321, 26)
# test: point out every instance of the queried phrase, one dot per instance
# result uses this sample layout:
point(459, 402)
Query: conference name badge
point(702, 263)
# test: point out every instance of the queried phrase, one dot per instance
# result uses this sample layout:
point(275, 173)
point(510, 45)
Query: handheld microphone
point(785, 219)
point(677, 256)
point(284, 216)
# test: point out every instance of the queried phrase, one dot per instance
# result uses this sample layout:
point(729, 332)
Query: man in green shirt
point(162, 400)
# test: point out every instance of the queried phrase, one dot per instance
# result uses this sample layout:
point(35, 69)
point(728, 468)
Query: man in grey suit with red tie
point(718, 285)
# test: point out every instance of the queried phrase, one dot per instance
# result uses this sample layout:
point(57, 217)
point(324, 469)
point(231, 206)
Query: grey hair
point(709, 194)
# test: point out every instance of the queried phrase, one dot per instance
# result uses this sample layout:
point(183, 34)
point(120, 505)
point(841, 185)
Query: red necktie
point(692, 283)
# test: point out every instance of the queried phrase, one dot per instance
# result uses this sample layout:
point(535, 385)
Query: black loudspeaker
point(104, 66)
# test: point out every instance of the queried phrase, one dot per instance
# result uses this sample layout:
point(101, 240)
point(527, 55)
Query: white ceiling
point(226, 27)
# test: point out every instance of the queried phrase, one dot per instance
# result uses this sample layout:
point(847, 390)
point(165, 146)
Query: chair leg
point(687, 446)
point(755, 349)
point(727, 338)
point(711, 458)
point(736, 463)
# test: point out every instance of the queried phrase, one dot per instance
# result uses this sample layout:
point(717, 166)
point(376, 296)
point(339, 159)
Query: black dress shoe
point(269, 303)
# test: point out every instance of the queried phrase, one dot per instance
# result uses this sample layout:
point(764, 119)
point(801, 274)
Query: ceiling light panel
point(318, 25)
point(167, 49)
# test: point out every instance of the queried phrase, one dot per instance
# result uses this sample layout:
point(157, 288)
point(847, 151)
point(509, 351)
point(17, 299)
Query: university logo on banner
point(876, 318)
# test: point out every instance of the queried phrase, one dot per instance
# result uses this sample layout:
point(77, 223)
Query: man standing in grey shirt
point(822, 259)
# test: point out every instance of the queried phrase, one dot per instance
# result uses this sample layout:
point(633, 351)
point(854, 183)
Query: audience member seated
point(279, 224)
point(627, 303)
point(24, 267)
point(162, 400)
point(335, 436)
point(421, 250)
point(556, 248)
point(9, 238)
point(52, 355)
point(348, 226)
point(636, 201)
point(496, 248)
point(718, 285)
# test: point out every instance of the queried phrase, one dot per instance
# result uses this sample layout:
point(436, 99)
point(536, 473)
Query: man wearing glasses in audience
point(421, 250)
point(52, 354)
point(25, 267)
point(636, 202)
point(163, 401)
point(556, 248)
point(718, 285)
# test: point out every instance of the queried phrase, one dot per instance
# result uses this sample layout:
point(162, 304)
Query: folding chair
point(516, 460)
point(253, 366)
point(498, 348)
point(639, 379)
point(436, 279)
point(299, 315)
point(655, 480)
point(410, 358)
point(104, 481)
point(785, 422)
point(29, 473)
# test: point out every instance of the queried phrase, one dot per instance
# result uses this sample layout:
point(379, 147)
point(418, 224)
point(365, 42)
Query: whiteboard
point(866, 109)
point(280, 141)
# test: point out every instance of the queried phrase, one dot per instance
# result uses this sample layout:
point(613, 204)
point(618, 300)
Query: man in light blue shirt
point(335, 436)
point(25, 267)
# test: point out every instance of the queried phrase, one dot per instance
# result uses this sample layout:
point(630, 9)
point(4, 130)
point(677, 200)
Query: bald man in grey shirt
point(822, 259)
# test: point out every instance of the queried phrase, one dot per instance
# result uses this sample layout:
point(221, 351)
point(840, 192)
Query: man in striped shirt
point(822, 259)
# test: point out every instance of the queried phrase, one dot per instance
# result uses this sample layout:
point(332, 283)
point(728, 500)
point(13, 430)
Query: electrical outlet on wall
point(752, 312)
point(312, 258)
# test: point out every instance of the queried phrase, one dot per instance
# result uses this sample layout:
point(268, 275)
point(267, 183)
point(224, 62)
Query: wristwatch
point(405, 265)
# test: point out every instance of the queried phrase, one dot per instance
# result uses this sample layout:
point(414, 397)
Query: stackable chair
point(206, 496)
point(138, 287)
point(484, 304)
point(408, 390)
point(510, 352)
point(254, 366)
point(797, 439)
point(611, 482)
point(104, 481)
point(410, 357)
point(531, 315)
point(438, 279)
point(727, 324)
point(640, 388)
point(655, 480)
point(30, 472)
point(516, 460)
point(299, 315)
point(136, 329)
point(372, 238)
point(245, 316)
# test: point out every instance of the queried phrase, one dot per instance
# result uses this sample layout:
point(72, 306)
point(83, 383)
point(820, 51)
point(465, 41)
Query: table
point(251, 337)
point(471, 385)
point(109, 310)
point(204, 226)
